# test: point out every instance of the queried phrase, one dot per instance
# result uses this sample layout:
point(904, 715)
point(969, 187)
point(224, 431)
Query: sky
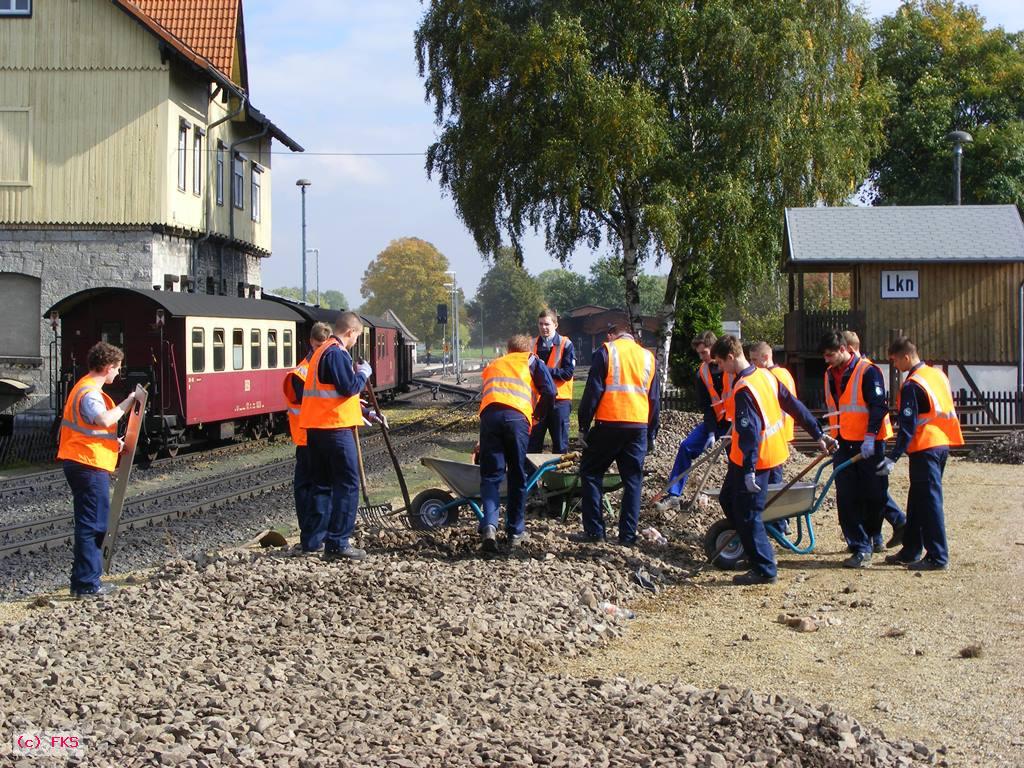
point(340, 78)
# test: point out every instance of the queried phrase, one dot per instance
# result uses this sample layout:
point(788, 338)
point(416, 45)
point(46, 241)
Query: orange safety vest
point(563, 389)
point(940, 426)
point(852, 418)
point(627, 383)
point(507, 381)
point(294, 404)
point(82, 442)
point(786, 379)
point(322, 406)
point(773, 450)
point(721, 402)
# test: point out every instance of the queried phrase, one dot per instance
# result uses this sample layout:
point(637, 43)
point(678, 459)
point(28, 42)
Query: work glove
point(828, 444)
point(709, 443)
point(867, 448)
point(364, 368)
point(377, 418)
point(750, 481)
point(885, 467)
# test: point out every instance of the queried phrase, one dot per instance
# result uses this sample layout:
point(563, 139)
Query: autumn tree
point(669, 129)
point(950, 73)
point(408, 276)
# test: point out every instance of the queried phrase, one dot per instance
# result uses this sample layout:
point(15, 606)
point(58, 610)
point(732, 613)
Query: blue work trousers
point(627, 448)
point(91, 490)
point(557, 423)
point(504, 433)
point(335, 469)
point(690, 448)
point(743, 509)
point(860, 495)
point(303, 492)
point(893, 515)
point(926, 522)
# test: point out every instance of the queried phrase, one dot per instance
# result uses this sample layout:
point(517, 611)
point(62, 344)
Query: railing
point(1006, 406)
point(676, 399)
point(805, 329)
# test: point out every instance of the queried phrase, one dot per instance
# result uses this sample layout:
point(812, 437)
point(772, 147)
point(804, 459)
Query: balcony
point(804, 329)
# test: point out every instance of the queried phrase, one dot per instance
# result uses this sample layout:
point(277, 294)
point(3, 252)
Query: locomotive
point(214, 365)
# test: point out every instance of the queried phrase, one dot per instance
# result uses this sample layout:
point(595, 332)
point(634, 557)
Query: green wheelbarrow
point(562, 490)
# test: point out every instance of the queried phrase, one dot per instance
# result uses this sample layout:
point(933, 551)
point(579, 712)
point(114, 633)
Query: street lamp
point(316, 253)
point(303, 183)
point(959, 138)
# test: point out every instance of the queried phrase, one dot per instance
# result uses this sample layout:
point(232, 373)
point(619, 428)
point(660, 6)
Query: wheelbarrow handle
point(796, 479)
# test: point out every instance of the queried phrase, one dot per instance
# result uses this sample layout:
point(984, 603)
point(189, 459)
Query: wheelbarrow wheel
point(723, 535)
point(426, 512)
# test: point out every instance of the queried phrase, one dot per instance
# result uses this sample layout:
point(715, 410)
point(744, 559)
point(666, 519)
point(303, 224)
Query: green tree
point(408, 276)
point(950, 73)
point(510, 297)
point(330, 299)
point(671, 129)
point(563, 290)
point(333, 299)
point(699, 310)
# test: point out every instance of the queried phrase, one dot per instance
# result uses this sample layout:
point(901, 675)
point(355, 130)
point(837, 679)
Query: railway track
point(204, 496)
point(975, 435)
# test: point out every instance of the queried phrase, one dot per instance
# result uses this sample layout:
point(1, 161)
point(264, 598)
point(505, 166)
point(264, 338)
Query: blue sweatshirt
point(594, 391)
point(336, 370)
point(541, 377)
point(567, 366)
point(748, 424)
point(872, 390)
point(913, 401)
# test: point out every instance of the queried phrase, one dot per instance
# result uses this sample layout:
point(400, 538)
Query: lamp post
point(316, 255)
point(456, 352)
point(959, 138)
point(302, 184)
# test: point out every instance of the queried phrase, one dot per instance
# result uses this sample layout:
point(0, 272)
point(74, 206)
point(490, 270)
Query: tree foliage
point(562, 289)
point(330, 299)
point(408, 276)
point(950, 73)
point(510, 298)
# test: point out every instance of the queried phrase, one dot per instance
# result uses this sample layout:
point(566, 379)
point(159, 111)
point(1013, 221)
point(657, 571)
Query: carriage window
point(218, 349)
point(237, 349)
point(198, 350)
point(271, 349)
point(112, 333)
point(255, 343)
point(288, 349)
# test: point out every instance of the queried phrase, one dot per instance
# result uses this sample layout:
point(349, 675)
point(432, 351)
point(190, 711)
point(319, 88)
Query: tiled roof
point(915, 233)
point(208, 27)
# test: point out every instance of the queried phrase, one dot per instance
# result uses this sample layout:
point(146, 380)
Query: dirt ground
point(888, 650)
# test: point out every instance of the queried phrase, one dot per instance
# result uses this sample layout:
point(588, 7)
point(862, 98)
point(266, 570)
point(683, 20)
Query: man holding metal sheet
point(507, 411)
point(621, 398)
point(859, 418)
point(928, 425)
point(89, 447)
point(758, 446)
point(560, 357)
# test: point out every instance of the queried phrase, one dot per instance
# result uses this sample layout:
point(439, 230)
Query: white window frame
point(13, 10)
point(220, 172)
point(183, 126)
point(238, 181)
point(197, 161)
point(256, 184)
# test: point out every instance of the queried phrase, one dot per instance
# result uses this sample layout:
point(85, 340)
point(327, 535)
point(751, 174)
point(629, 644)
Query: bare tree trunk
point(631, 278)
point(667, 316)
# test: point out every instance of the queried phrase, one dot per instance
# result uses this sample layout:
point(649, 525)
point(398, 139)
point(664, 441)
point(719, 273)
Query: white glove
point(828, 444)
point(366, 422)
point(750, 481)
point(364, 368)
point(867, 448)
point(709, 443)
point(885, 466)
point(375, 419)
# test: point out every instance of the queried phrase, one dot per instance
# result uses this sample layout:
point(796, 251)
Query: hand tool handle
point(387, 442)
point(794, 481)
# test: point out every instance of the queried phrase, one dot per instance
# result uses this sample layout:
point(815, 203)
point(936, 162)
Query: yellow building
point(130, 154)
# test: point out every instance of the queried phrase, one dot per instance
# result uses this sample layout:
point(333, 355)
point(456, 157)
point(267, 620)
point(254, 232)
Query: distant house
point(130, 154)
point(950, 277)
point(586, 327)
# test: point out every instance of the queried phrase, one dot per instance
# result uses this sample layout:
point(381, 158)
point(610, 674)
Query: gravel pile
point(412, 658)
point(1005, 449)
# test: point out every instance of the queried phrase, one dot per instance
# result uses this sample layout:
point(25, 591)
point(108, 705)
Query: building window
point(112, 333)
point(218, 349)
point(272, 349)
point(238, 181)
point(255, 346)
point(15, 7)
point(220, 172)
point(237, 349)
point(288, 349)
point(257, 179)
point(198, 350)
point(182, 146)
point(197, 162)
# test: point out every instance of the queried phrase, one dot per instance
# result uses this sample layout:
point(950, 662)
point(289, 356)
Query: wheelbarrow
point(793, 500)
point(561, 489)
point(439, 507)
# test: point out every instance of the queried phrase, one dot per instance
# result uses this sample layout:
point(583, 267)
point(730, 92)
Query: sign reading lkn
point(902, 284)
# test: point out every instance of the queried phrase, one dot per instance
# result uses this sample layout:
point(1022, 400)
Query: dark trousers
point(335, 470)
point(504, 433)
point(557, 423)
point(860, 496)
point(627, 448)
point(91, 490)
point(303, 492)
point(743, 509)
point(926, 522)
point(893, 515)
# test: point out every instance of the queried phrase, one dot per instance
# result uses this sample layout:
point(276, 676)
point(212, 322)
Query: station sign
point(900, 284)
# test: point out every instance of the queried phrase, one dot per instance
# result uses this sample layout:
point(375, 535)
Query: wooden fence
point(1006, 407)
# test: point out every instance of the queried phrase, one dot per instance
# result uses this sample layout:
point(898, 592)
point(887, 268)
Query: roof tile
point(208, 27)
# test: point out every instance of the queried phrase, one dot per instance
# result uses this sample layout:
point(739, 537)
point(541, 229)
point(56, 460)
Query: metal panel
point(124, 473)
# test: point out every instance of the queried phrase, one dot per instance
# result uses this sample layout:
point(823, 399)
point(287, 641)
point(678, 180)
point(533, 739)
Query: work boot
point(347, 553)
point(858, 560)
point(877, 546)
point(488, 539)
point(585, 538)
point(103, 590)
point(927, 564)
point(897, 559)
point(752, 577)
point(669, 503)
point(897, 536)
point(518, 539)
